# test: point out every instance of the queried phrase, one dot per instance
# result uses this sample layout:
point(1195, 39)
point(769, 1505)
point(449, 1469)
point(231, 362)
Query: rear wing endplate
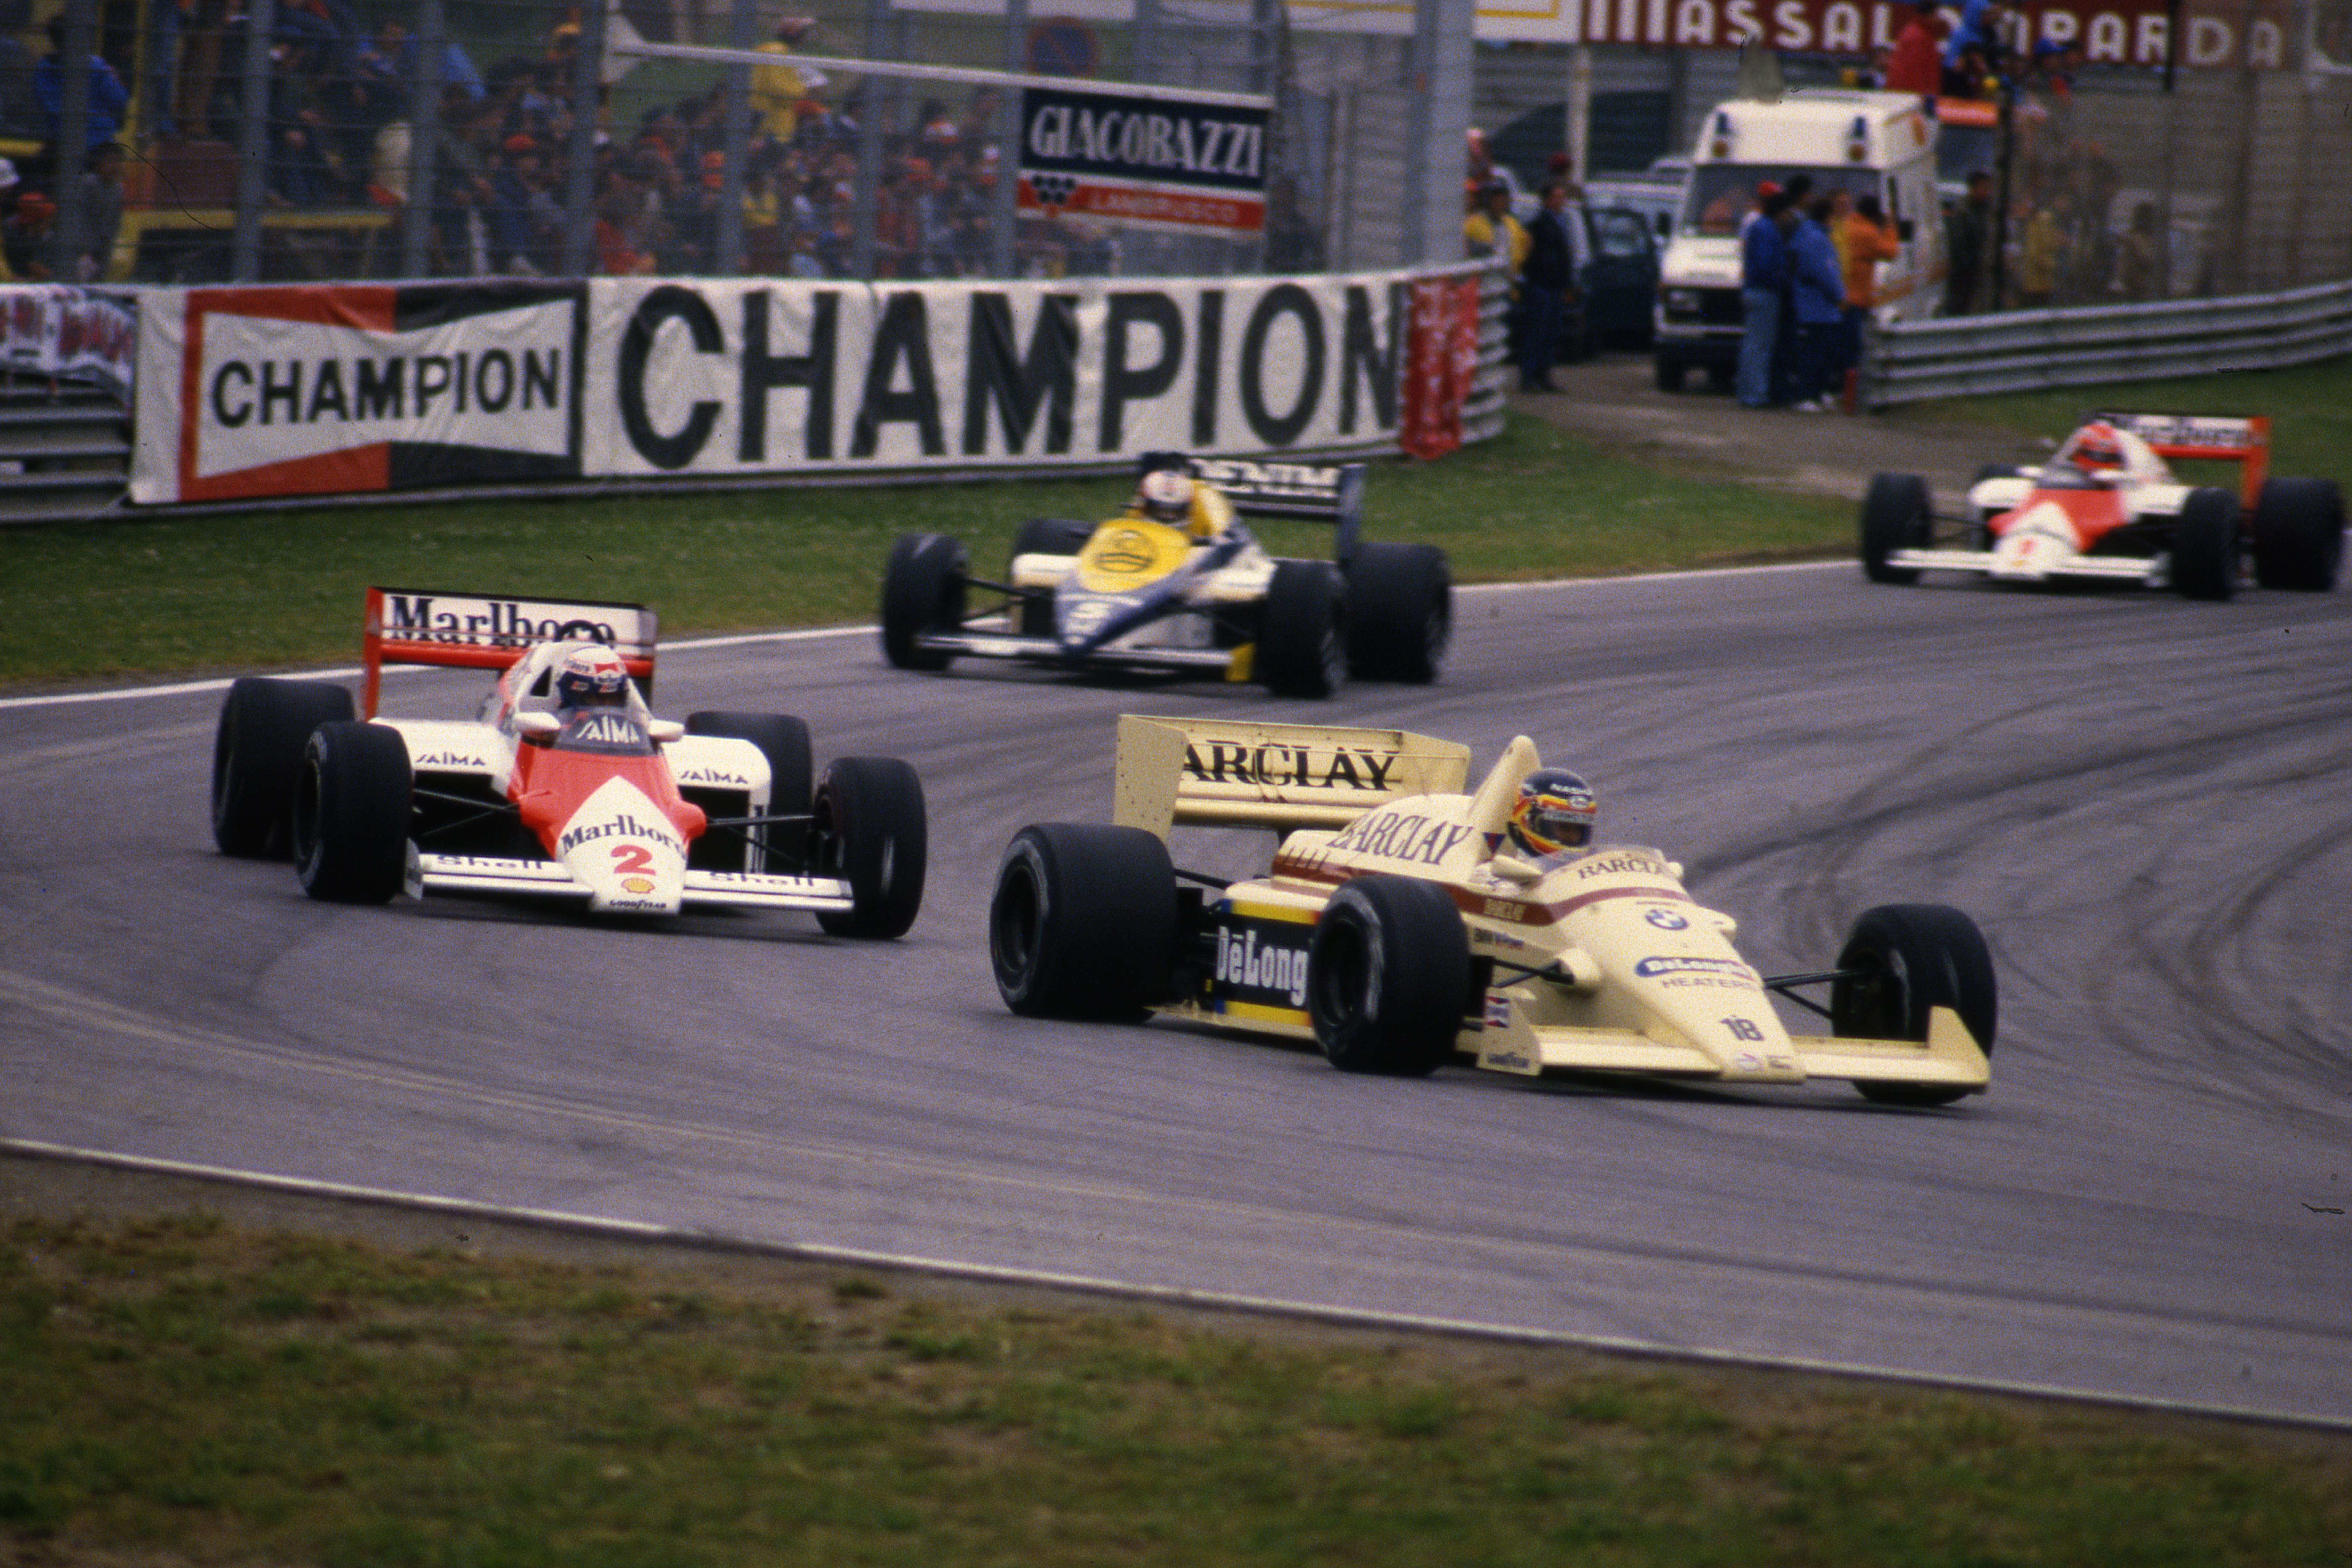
point(1218, 773)
point(2207, 438)
point(474, 631)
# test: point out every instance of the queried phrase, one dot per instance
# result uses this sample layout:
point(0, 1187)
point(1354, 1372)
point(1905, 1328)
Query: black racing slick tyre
point(257, 759)
point(1400, 612)
point(1302, 639)
point(1895, 515)
point(2207, 545)
point(922, 591)
point(351, 813)
point(1388, 977)
point(1083, 923)
point(785, 742)
point(1033, 617)
point(869, 830)
point(1669, 371)
point(1899, 961)
point(2299, 535)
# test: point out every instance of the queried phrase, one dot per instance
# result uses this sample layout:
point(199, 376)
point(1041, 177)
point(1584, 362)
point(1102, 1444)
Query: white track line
point(1217, 1300)
point(746, 639)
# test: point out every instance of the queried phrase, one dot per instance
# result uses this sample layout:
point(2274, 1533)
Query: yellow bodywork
point(1601, 961)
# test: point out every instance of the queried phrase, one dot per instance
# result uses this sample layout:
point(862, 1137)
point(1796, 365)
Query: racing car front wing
point(1511, 1042)
point(548, 879)
point(2105, 568)
point(1233, 663)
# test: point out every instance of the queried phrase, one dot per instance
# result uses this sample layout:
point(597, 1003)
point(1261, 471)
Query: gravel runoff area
point(1611, 399)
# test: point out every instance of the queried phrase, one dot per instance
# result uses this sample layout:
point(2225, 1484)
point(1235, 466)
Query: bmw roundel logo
point(1664, 920)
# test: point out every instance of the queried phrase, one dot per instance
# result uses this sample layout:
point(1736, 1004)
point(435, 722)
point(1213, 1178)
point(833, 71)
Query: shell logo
point(1126, 552)
point(635, 885)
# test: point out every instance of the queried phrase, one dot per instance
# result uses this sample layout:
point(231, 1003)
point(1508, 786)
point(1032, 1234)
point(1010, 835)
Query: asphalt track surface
point(2146, 803)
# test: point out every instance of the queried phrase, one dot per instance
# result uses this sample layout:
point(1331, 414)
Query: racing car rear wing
point(2207, 438)
point(471, 631)
point(1334, 495)
point(1217, 772)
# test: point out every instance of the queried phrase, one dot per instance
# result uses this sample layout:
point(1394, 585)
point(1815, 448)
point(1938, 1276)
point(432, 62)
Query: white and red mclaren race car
point(2106, 508)
point(1400, 926)
point(562, 786)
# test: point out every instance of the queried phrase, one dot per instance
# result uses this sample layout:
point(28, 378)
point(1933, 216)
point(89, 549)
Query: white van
point(1875, 143)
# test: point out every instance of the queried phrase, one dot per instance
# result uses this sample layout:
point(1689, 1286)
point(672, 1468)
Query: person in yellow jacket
point(777, 90)
point(2043, 259)
point(1492, 230)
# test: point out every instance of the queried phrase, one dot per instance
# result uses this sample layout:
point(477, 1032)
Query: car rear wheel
point(257, 759)
point(1083, 922)
point(785, 742)
point(1895, 515)
point(1400, 612)
point(1906, 960)
point(869, 830)
point(351, 813)
point(2299, 535)
point(922, 592)
point(1302, 648)
point(1388, 977)
point(2207, 544)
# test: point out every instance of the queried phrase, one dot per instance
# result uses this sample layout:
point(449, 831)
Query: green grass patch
point(2310, 410)
point(184, 1386)
point(276, 589)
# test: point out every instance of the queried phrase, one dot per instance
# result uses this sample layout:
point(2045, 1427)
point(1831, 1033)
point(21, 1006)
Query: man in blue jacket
point(1817, 297)
point(1763, 278)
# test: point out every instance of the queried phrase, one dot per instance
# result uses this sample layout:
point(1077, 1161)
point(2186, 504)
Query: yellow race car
point(1405, 921)
point(1179, 585)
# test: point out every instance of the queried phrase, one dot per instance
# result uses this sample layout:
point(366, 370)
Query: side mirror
point(537, 728)
point(1904, 228)
point(665, 730)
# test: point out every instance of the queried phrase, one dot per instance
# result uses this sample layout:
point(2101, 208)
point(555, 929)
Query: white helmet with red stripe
point(590, 675)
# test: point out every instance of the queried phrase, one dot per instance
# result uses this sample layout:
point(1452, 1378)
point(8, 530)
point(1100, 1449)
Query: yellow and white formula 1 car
point(1180, 585)
point(1399, 927)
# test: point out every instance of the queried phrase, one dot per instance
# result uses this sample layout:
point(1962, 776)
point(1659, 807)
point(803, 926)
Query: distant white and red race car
point(563, 784)
point(2106, 508)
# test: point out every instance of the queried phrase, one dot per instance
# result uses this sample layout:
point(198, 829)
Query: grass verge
point(227, 1395)
point(268, 589)
point(2310, 408)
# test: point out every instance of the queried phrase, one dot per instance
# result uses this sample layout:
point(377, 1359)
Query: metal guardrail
point(2024, 350)
point(1482, 410)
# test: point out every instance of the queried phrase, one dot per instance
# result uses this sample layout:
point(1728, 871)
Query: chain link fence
point(425, 139)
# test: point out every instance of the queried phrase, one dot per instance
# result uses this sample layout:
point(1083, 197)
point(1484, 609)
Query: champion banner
point(1157, 163)
point(301, 391)
point(713, 376)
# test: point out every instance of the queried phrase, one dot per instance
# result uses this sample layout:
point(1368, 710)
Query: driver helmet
point(1555, 811)
point(2097, 446)
point(1166, 496)
point(591, 676)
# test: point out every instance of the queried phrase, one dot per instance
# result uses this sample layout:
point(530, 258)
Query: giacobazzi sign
point(1159, 162)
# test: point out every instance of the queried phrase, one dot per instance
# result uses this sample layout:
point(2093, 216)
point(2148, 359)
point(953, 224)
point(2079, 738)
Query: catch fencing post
point(253, 142)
